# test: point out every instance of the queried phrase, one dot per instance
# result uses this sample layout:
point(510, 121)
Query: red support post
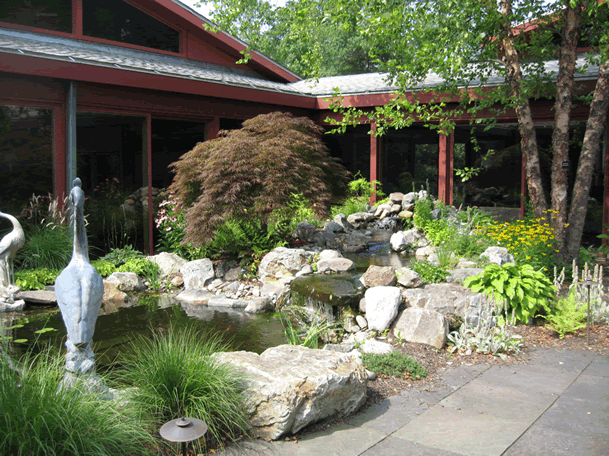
point(374, 159)
point(445, 167)
point(148, 151)
point(212, 128)
point(77, 18)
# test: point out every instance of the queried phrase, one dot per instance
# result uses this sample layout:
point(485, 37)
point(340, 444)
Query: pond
point(117, 327)
point(116, 330)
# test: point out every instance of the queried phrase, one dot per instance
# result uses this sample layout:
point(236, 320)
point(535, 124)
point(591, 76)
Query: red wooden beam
point(77, 18)
point(13, 63)
point(212, 128)
point(445, 167)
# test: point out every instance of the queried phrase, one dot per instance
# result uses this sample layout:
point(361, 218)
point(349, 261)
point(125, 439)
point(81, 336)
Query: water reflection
point(116, 330)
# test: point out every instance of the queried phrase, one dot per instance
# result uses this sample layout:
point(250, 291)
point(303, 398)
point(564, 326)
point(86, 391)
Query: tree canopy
point(491, 57)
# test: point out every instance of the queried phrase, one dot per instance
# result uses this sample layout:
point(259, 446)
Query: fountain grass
point(46, 247)
point(37, 417)
point(310, 336)
point(176, 373)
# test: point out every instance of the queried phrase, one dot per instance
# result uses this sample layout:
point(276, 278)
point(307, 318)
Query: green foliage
point(360, 191)
point(37, 417)
point(468, 245)
point(422, 213)
point(393, 365)
point(309, 337)
point(103, 267)
point(523, 290)
point(46, 247)
point(35, 279)
point(567, 315)
point(350, 206)
point(485, 339)
point(178, 374)
point(150, 271)
point(254, 171)
point(429, 272)
point(119, 256)
point(170, 223)
point(438, 231)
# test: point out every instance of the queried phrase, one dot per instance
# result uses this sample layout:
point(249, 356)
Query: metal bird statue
point(79, 290)
point(9, 245)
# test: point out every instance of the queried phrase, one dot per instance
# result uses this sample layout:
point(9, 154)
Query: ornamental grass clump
point(531, 241)
point(176, 373)
point(39, 418)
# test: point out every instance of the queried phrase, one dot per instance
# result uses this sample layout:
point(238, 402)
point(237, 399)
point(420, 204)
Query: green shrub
point(429, 272)
point(177, 374)
point(524, 290)
point(104, 268)
point(37, 418)
point(468, 245)
point(46, 247)
point(422, 213)
point(438, 231)
point(567, 315)
point(151, 272)
point(393, 365)
point(350, 206)
point(35, 279)
point(119, 256)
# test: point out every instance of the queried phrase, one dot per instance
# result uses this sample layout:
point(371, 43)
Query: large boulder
point(445, 298)
point(289, 387)
point(406, 240)
point(459, 275)
point(169, 263)
point(498, 255)
point(422, 326)
point(382, 306)
point(197, 274)
point(283, 262)
point(378, 276)
point(341, 219)
point(305, 231)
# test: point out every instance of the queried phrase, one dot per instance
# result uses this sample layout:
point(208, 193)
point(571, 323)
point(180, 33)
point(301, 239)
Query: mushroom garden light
point(183, 430)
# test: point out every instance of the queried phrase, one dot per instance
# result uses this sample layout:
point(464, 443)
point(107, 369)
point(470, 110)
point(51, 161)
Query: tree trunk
point(590, 148)
point(562, 116)
point(528, 139)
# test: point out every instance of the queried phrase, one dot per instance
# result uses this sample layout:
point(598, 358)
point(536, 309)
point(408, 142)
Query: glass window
point(118, 21)
point(26, 155)
point(53, 15)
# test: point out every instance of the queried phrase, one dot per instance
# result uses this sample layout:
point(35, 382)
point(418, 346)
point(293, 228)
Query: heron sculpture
point(9, 245)
point(79, 290)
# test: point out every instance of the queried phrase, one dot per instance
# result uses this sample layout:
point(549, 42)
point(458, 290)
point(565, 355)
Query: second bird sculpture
point(79, 290)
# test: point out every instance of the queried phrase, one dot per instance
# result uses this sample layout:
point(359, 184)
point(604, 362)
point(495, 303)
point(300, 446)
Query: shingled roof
point(87, 53)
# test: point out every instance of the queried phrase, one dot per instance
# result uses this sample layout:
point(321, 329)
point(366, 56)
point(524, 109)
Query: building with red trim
point(117, 90)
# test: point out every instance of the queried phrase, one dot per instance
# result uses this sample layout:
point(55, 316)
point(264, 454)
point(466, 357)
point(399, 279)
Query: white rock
point(329, 254)
point(422, 326)
point(125, 281)
point(408, 278)
point(498, 255)
point(335, 265)
point(361, 321)
point(382, 306)
point(197, 274)
point(373, 346)
point(170, 263)
point(283, 262)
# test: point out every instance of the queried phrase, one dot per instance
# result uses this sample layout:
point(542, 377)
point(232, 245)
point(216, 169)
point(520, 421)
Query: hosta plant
point(520, 287)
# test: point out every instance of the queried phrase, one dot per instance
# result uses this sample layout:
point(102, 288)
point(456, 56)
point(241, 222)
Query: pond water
point(115, 331)
point(116, 327)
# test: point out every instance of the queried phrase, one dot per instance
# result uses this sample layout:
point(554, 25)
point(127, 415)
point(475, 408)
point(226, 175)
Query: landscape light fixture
point(183, 430)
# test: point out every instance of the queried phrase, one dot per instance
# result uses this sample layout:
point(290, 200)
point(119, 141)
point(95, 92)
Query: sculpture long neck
point(81, 246)
point(16, 225)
